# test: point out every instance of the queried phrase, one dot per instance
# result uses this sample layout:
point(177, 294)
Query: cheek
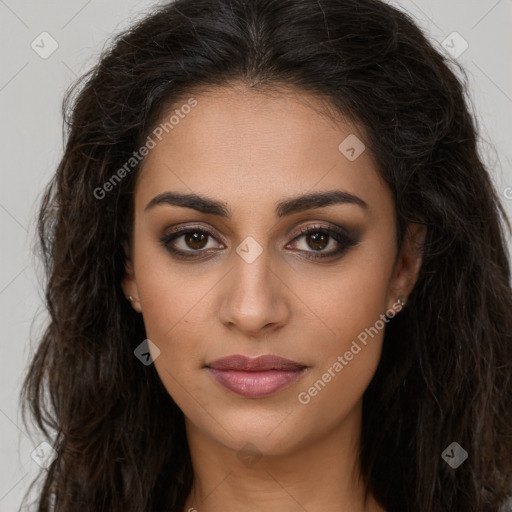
point(171, 293)
point(172, 304)
point(345, 364)
point(348, 297)
point(351, 308)
point(175, 321)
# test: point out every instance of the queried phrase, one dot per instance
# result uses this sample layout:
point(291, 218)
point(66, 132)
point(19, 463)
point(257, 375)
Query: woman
point(277, 274)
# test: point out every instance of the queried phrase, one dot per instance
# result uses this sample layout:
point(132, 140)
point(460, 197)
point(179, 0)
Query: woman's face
point(245, 281)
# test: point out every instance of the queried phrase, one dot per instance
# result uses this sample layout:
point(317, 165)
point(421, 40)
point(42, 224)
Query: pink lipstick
point(255, 377)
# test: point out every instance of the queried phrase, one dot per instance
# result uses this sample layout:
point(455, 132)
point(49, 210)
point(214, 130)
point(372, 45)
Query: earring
point(401, 303)
point(131, 299)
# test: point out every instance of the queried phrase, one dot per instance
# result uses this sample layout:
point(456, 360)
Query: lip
point(255, 377)
point(254, 364)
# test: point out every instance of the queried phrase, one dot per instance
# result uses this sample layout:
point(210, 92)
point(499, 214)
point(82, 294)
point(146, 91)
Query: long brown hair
point(445, 373)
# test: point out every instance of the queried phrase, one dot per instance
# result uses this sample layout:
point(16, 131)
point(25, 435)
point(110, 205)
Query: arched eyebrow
point(285, 207)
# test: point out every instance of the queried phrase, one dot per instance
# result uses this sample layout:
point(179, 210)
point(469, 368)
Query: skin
point(251, 150)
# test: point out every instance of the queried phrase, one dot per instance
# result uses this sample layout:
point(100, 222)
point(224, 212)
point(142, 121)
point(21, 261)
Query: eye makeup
point(194, 238)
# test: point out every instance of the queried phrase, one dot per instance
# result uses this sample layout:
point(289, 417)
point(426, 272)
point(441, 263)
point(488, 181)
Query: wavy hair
point(445, 373)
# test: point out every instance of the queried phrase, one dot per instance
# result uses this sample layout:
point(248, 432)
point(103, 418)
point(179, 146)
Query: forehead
point(244, 146)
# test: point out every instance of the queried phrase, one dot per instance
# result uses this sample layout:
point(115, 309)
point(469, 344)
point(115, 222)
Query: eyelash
point(346, 241)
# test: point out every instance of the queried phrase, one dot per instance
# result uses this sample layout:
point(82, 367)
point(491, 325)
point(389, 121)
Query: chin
point(273, 432)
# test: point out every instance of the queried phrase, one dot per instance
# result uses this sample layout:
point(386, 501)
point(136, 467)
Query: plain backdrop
point(31, 92)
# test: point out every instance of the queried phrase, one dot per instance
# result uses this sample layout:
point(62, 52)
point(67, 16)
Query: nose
point(255, 299)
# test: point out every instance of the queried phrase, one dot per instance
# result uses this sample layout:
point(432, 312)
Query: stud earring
point(131, 299)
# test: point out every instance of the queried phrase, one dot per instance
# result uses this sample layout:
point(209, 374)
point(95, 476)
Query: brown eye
point(317, 241)
point(318, 238)
point(195, 239)
point(185, 242)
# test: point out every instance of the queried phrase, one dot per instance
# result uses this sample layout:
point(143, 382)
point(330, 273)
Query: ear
point(408, 263)
point(129, 282)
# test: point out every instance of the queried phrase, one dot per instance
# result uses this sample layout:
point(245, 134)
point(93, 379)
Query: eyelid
point(183, 229)
point(180, 228)
point(343, 237)
point(330, 227)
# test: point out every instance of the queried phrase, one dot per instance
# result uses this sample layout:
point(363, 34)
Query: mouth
point(255, 377)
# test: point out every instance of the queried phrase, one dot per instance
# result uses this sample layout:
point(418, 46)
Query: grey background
point(31, 91)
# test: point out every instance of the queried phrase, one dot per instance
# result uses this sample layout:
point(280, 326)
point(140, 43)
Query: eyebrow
point(286, 207)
